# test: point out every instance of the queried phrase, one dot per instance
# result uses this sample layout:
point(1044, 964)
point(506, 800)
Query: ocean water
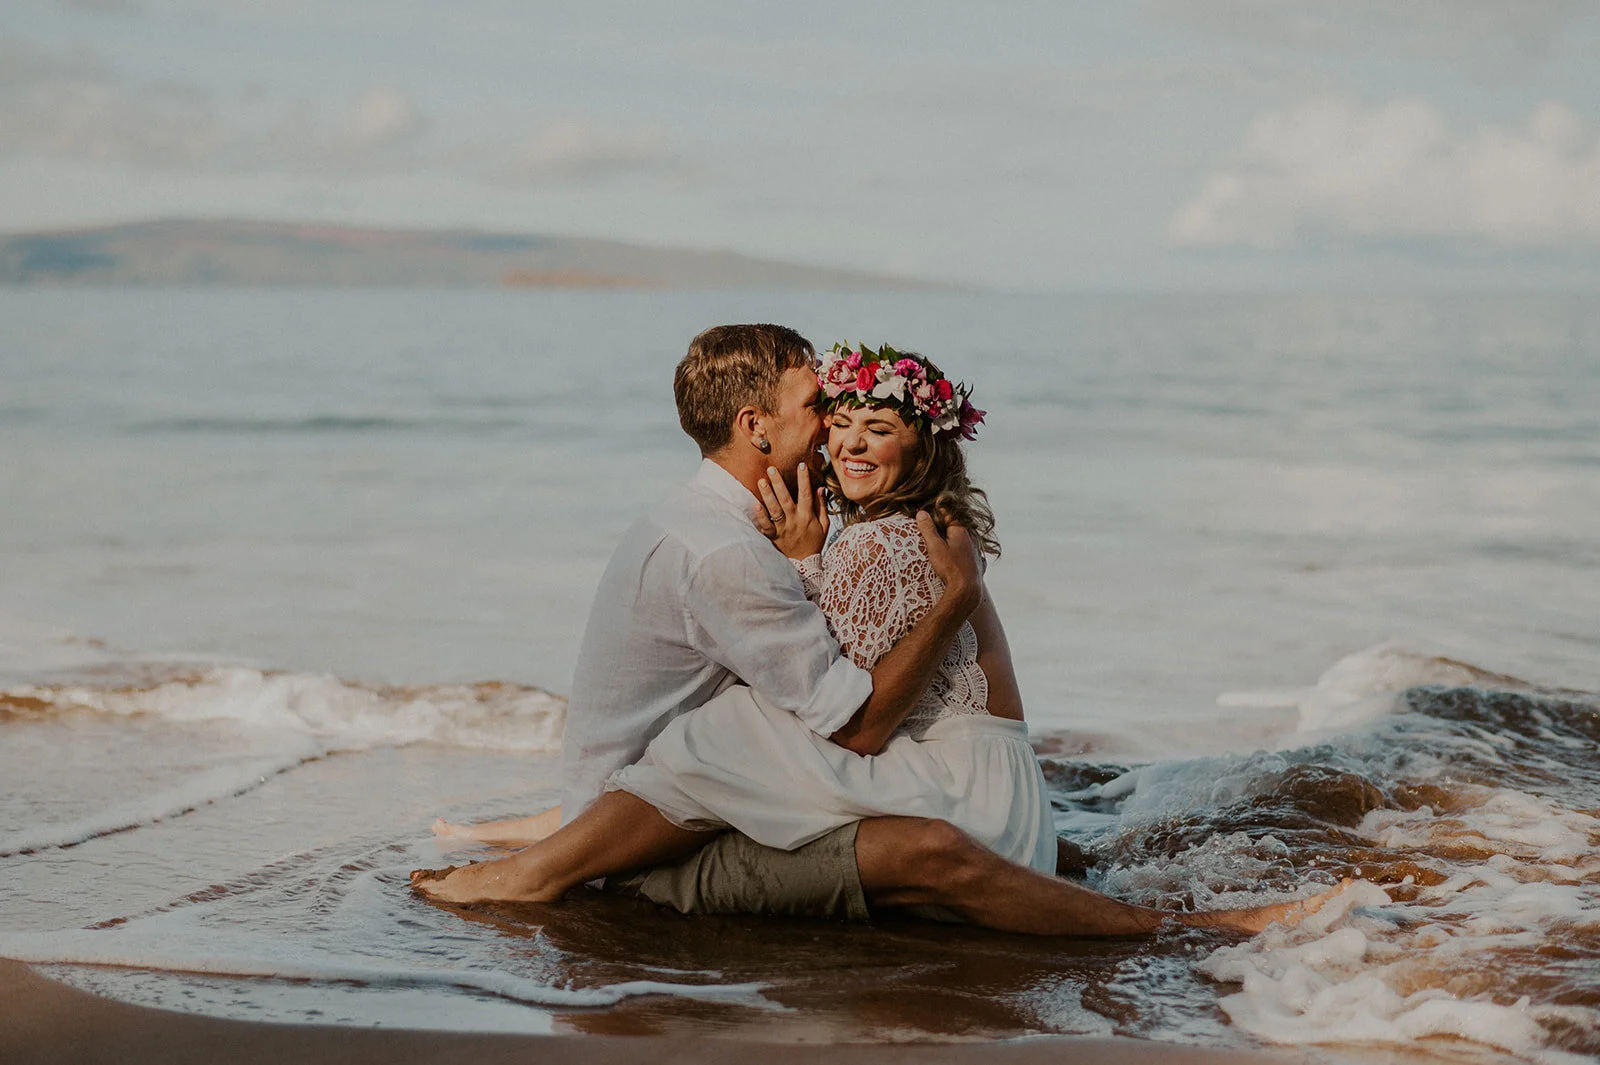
point(1299, 588)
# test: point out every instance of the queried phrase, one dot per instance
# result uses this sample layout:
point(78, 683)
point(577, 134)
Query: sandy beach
point(47, 1022)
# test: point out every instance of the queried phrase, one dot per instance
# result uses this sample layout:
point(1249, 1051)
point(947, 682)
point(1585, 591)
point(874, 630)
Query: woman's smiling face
point(871, 449)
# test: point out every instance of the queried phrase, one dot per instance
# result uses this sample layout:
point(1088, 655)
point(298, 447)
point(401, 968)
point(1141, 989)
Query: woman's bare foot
point(1259, 918)
point(519, 830)
point(451, 830)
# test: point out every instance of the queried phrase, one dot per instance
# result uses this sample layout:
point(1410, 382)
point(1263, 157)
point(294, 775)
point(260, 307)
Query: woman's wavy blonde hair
point(936, 482)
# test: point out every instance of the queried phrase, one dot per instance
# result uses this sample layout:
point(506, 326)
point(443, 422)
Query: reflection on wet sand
point(898, 978)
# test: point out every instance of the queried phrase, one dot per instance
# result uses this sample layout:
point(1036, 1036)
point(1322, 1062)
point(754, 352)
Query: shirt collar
point(724, 485)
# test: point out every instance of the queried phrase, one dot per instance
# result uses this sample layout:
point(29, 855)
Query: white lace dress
point(739, 762)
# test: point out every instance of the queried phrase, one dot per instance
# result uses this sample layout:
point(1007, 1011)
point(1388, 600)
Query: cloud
point(74, 106)
point(377, 131)
point(71, 105)
point(102, 7)
point(1332, 171)
point(382, 116)
point(1500, 33)
point(572, 150)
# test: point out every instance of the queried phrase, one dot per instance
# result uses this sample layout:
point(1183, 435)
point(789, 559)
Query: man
point(696, 598)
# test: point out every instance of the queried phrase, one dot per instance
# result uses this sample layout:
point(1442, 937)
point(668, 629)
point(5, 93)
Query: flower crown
point(908, 383)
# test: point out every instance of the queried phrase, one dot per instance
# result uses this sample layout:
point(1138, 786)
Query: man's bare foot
point(431, 882)
point(495, 881)
point(456, 883)
point(1259, 918)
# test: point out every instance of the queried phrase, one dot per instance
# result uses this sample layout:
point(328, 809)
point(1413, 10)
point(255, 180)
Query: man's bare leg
point(515, 830)
point(618, 833)
point(908, 861)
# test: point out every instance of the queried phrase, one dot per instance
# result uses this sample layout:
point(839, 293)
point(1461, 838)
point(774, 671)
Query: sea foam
point(258, 956)
point(1437, 966)
point(206, 786)
point(346, 715)
point(1346, 975)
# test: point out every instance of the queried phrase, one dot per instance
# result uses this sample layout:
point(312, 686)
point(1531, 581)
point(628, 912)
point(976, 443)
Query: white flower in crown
point(892, 386)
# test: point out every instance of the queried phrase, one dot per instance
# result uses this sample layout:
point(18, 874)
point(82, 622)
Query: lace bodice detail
point(873, 584)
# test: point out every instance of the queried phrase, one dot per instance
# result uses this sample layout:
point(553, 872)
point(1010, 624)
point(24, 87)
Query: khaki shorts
point(735, 874)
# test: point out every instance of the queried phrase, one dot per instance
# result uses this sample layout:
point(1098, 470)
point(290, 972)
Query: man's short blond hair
point(730, 367)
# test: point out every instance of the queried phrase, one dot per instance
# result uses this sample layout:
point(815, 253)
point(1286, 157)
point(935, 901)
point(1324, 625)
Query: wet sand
point(47, 1022)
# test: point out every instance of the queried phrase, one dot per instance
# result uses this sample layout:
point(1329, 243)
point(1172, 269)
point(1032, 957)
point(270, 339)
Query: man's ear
point(749, 426)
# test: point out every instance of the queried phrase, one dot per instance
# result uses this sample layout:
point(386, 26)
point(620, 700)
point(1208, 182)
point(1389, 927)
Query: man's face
point(795, 429)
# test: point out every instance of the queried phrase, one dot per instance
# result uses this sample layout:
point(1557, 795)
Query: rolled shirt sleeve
point(748, 612)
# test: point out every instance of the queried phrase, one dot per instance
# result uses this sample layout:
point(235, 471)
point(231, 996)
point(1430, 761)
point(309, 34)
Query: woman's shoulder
point(899, 525)
point(896, 531)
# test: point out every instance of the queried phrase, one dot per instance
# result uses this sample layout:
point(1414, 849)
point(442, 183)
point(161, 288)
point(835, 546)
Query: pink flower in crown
point(923, 390)
point(866, 377)
point(933, 409)
point(944, 389)
point(910, 369)
point(853, 360)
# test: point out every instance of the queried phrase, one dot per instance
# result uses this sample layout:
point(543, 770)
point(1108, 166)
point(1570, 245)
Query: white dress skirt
point(742, 763)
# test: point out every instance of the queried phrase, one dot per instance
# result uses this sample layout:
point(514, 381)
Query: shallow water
point(288, 574)
point(1461, 810)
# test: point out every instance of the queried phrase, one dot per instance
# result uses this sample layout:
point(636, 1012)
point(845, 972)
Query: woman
point(895, 426)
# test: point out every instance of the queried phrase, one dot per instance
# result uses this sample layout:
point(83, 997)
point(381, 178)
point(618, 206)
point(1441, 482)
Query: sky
point(1144, 145)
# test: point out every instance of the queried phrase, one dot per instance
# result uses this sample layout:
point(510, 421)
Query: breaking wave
point(1468, 816)
point(345, 714)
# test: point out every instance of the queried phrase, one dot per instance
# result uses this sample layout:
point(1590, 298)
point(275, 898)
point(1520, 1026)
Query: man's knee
point(923, 854)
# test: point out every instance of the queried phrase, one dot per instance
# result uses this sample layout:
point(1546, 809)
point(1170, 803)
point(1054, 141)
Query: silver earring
point(763, 446)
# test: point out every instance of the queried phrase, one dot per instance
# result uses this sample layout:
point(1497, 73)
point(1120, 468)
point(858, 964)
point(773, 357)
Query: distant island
point(245, 253)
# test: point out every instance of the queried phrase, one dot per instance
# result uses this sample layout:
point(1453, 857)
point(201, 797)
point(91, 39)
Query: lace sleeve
point(875, 587)
point(810, 570)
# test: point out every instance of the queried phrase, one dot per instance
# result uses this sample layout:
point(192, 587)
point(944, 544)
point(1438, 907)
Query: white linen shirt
point(694, 600)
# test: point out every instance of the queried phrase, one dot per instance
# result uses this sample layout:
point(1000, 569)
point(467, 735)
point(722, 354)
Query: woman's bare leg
point(515, 830)
point(618, 833)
